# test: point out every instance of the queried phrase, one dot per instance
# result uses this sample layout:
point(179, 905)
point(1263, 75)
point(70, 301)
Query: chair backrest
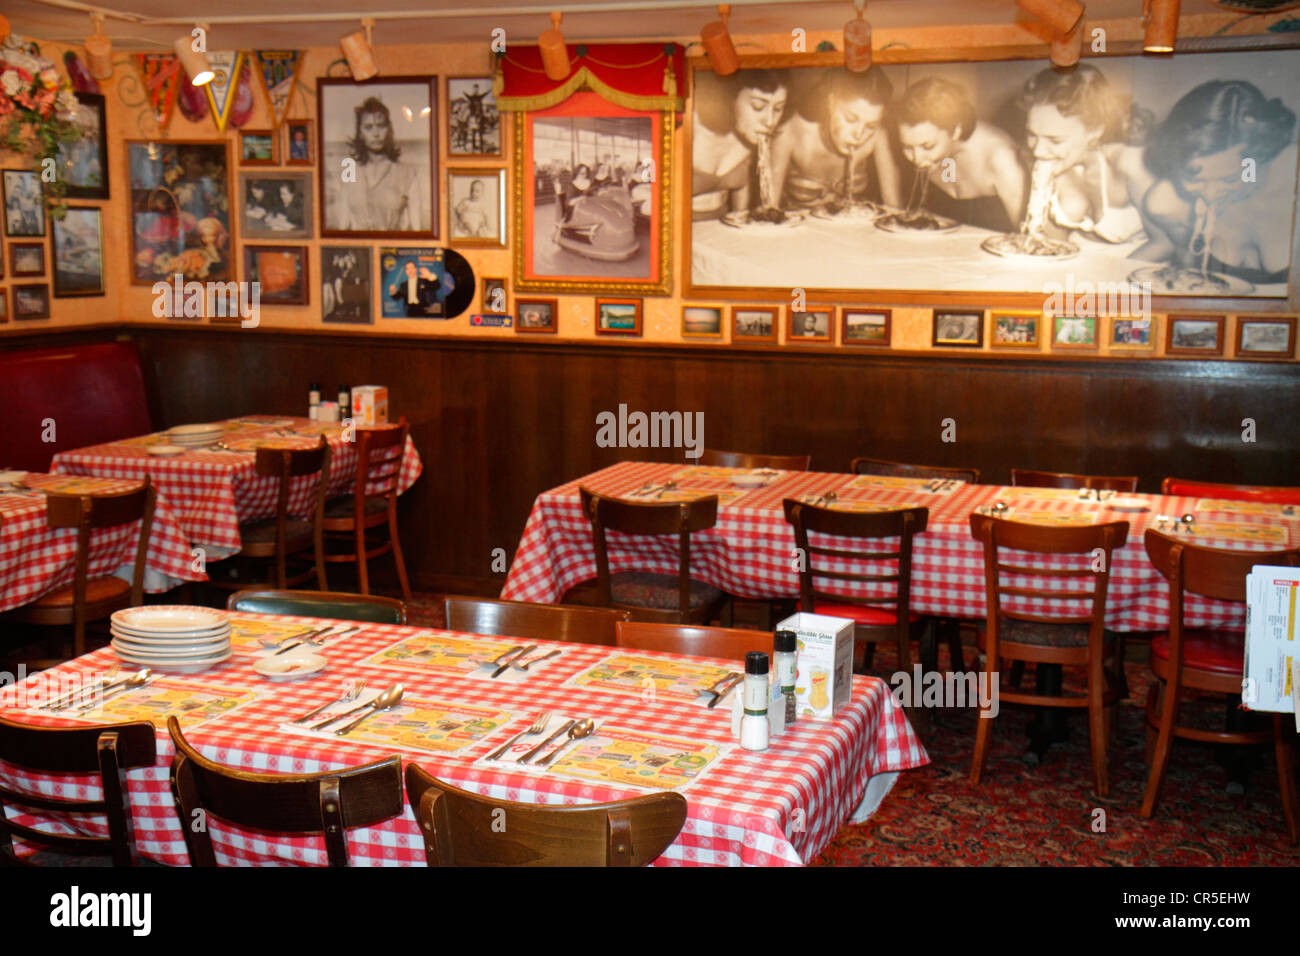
point(92, 512)
point(326, 604)
point(898, 469)
point(681, 518)
point(1052, 479)
point(327, 803)
point(287, 464)
point(894, 588)
point(107, 750)
point(379, 461)
point(731, 643)
point(463, 829)
point(543, 622)
point(1266, 494)
point(740, 459)
point(1083, 605)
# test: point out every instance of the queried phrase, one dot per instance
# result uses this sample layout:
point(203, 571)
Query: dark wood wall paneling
point(497, 422)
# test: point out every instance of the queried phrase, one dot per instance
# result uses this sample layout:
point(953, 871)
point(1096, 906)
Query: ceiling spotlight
point(857, 41)
point(1066, 48)
point(555, 55)
point(717, 43)
point(1161, 19)
point(194, 62)
point(358, 51)
point(1061, 15)
point(99, 50)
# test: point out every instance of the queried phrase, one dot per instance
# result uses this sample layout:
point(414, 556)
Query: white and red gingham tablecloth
point(750, 553)
point(36, 559)
point(776, 807)
point(212, 491)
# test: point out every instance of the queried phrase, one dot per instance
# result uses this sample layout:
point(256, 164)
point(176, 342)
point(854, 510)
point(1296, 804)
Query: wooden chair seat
point(98, 591)
point(862, 614)
point(659, 591)
point(257, 538)
point(341, 508)
point(1204, 649)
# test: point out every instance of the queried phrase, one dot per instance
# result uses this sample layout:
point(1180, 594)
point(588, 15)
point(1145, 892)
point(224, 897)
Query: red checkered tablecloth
point(212, 491)
point(750, 553)
point(776, 807)
point(36, 559)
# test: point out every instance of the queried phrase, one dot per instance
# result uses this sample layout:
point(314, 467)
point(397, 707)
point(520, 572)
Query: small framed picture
point(867, 327)
point(32, 301)
point(1272, 337)
point(258, 147)
point(78, 252)
point(536, 315)
point(494, 296)
point(476, 205)
point(24, 204)
point(965, 329)
point(618, 316)
point(27, 258)
point(753, 323)
point(275, 206)
point(83, 162)
point(473, 123)
point(811, 324)
point(299, 142)
point(282, 271)
point(345, 289)
point(1195, 335)
point(1074, 332)
point(1015, 328)
point(702, 321)
point(4, 305)
point(1133, 333)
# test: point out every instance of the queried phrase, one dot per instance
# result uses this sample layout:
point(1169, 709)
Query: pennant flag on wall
point(278, 71)
point(161, 75)
point(226, 66)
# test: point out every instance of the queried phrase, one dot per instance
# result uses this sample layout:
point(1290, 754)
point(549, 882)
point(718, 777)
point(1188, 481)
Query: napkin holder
point(775, 709)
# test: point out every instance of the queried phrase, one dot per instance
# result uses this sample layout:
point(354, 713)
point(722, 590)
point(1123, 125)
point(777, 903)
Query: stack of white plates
point(196, 436)
point(171, 637)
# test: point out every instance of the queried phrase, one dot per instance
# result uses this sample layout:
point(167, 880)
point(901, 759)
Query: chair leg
point(1286, 777)
point(1097, 726)
point(868, 655)
point(983, 736)
point(398, 559)
point(929, 646)
point(1153, 694)
point(1164, 743)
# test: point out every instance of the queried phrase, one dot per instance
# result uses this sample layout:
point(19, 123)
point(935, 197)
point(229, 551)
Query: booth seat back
point(79, 395)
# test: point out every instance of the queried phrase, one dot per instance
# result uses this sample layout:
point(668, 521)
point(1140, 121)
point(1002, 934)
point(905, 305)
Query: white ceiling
point(474, 21)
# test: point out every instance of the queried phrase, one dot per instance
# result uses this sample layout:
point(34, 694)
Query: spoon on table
point(356, 710)
point(138, 679)
point(582, 728)
point(385, 701)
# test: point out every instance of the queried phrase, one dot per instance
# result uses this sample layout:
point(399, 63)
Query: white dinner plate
point(196, 429)
point(147, 654)
point(289, 666)
point(177, 666)
point(169, 618)
point(1125, 503)
point(9, 477)
point(164, 451)
point(169, 637)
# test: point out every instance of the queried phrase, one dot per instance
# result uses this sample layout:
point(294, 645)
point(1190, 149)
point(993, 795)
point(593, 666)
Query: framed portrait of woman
point(378, 157)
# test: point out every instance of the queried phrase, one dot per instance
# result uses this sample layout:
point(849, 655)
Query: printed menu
point(431, 726)
point(1272, 643)
point(617, 756)
point(1218, 506)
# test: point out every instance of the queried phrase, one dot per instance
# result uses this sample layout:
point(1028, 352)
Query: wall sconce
point(99, 50)
point(1061, 15)
point(717, 43)
point(194, 62)
point(358, 52)
point(857, 41)
point(1066, 48)
point(555, 55)
point(1161, 19)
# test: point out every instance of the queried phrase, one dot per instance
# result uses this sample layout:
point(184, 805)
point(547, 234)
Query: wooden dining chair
point(372, 504)
point(1075, 635)
point(741, 459)
point(898, 469)
point(649, 596)
point(1265, 494)
point(335, 605)
point(284, 536)
point(109, 751)
point(89, 599)
point(731, 643)
point(1022, 478)
point(328, 803)
point(1189, 661)
point(543, 622)
point(464, 829)
point(887, 614)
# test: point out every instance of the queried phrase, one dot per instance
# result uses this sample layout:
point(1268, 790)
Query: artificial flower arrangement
point(37, 110)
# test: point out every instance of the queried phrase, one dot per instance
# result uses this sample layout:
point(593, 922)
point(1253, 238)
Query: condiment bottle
point(313, 401)
point(345, 402)
point(785, 658)
point(753, 725)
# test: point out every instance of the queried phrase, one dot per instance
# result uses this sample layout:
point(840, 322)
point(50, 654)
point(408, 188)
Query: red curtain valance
point(638, 76)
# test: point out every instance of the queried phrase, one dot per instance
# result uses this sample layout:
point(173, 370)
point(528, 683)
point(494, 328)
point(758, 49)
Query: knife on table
point(505, 666)
point(547, 742)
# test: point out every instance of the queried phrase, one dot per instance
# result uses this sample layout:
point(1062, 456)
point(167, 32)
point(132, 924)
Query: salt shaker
point(784, 657)
point(753, 726)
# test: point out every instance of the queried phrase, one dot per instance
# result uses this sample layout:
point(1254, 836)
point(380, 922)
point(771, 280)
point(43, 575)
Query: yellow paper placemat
point(1040, 494)
point(435, 727)
point(688, 494)
point(614, 755)
point(1220, 506)
point(1233, 531)
point(841, 504)
point(887, 481)
point(192, 703)
point(636, 676)
point(442, 651)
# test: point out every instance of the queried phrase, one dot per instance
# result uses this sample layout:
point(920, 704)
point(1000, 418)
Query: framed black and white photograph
point(32, 301)
point(379, 157)
point(869, 327)
point(810, 324)
point(752, 324)
point(27, 258)
point(299, 142)
point(78, 240)
point(494, 296)
point(83, 163)
point(473, 123)
point(275, 206)
point(1259, 337)
point(346, 284)
point(702, 321)
point(258, 147)
point(476, 204)
point(24, 203)
point(959, 328)
point(1195, 335)
point(536, 315)
point(282, 272)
